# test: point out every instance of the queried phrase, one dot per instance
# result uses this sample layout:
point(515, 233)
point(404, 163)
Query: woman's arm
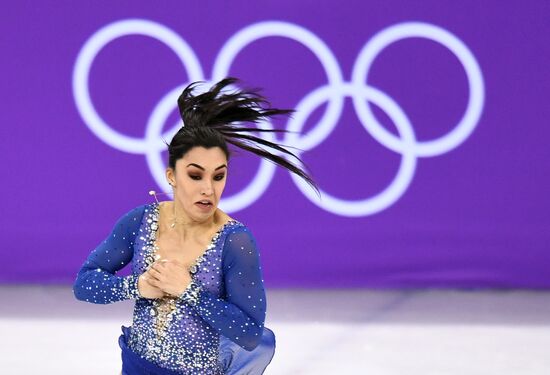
point(240, 315)
point(96, 281)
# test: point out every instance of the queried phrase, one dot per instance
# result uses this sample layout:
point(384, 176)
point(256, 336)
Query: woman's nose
point(207, 188)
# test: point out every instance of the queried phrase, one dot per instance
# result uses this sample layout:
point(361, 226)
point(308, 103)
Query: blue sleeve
point(96, 281)
point(240, 315)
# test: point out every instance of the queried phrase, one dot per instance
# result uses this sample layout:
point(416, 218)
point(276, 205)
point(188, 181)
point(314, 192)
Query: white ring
point(404, 175)
point(475, 81)
point(88, 53)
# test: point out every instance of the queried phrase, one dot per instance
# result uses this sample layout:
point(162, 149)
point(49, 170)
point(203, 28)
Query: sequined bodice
point(181, 334)
point(167, 331)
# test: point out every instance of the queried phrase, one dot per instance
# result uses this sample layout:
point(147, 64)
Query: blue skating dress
point(215, 327)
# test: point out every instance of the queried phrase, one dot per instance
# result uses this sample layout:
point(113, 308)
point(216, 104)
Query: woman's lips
point(204, 206)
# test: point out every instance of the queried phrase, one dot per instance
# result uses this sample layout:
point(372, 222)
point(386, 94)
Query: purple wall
point(441, 181)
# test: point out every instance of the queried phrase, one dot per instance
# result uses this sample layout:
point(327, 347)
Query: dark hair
point(210, 120)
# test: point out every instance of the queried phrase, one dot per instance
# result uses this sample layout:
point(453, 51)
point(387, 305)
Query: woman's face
point(198, 182)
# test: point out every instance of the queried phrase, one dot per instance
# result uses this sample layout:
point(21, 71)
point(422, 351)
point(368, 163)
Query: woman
point(196, 279)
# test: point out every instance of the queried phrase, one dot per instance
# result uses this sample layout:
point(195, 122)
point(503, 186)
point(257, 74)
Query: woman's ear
point(170, 176)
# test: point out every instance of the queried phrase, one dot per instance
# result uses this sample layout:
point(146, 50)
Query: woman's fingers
point(167, 275)
point(166, 267)
point(154, 274)
point(155, 283)
point(159, 264)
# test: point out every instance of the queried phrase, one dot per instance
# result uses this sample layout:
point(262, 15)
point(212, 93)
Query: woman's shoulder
point(237, 232)
point(137, 212)
point(231, 224)
point(225, 221)
point(140, 209)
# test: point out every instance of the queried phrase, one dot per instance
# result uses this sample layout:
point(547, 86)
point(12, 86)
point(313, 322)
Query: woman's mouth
point(204, 204)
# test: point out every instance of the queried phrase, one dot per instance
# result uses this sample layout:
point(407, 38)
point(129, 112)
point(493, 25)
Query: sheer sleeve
point(96, 281)
point(240, 315)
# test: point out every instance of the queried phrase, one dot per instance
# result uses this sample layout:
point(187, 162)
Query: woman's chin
point(200, 214)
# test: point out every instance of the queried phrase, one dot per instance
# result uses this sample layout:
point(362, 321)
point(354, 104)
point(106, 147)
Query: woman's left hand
point(170, 276)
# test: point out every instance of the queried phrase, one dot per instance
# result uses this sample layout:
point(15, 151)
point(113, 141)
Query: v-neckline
point(193, 268)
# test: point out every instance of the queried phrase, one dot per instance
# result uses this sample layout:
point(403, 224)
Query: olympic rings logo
point(334, 93)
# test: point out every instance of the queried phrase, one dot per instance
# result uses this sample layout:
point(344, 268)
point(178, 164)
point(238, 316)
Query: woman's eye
point(195, 177)
point(219, 177)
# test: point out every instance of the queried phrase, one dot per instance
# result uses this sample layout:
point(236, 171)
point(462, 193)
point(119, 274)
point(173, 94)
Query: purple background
point(477, 216)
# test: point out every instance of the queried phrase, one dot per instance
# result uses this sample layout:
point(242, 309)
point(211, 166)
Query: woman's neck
point(185, 227)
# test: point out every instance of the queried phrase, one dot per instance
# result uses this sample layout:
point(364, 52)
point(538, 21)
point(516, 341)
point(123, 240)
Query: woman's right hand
point(147, 290)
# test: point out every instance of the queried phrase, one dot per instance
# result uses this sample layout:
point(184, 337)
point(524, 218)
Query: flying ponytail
point(216, 117)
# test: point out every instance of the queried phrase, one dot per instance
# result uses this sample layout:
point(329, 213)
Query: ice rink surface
point(45, 330)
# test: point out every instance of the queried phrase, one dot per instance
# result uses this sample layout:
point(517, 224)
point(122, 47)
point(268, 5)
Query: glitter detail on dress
point(163, 308)
point(226, 296)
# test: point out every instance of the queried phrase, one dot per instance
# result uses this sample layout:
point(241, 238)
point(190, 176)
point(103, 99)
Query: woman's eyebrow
point(202, 168)
point(195, 165)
